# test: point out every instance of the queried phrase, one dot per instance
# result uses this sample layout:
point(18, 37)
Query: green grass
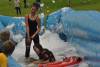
point(91, 5)
point(7, 8)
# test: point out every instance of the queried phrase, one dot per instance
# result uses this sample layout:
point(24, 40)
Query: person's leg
point(25, 6)
point(28, 44)
point(19, 10)
point(38, 51)
point(37, 45)
point(36, 41)
point(38, 1)
point(16, 8)
point(9, 0)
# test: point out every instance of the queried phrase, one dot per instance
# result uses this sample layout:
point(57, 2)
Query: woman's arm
point(27, 28)
point(39, 24)
point(38, 27)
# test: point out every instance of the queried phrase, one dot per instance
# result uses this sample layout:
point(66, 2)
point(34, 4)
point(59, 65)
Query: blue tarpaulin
point(12, 62)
